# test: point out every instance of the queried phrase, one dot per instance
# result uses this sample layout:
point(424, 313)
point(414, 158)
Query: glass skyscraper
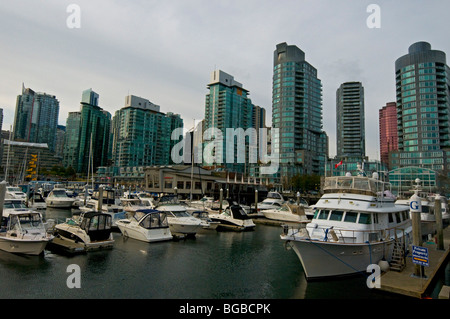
point(86, 130)
point(228, 106)
point(350, 126)
point(423, 109)
point(297, 113)
point(36, 118)
point(142, 134)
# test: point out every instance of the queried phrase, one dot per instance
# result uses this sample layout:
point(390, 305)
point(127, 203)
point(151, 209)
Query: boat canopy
point(97, 225)
point(238, 212)
point(151, 218)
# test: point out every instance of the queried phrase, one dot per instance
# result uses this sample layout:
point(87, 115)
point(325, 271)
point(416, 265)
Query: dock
point(66, 246)
point(406, 284)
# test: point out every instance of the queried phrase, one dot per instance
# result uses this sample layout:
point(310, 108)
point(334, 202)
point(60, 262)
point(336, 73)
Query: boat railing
point(346, 236)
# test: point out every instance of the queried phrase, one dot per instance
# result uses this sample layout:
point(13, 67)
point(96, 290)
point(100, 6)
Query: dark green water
point(214, 265)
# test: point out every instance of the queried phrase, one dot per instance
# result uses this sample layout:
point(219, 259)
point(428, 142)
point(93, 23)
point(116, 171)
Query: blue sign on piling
point(420, 256)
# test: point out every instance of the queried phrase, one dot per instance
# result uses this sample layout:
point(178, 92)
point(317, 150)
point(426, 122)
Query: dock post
point(256, 201)
point(2, 198)
point(100, 199)
point(415, 208)
point(439, 225)
point(220, 201)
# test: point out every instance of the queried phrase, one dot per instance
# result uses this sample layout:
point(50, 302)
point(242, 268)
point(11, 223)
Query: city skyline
point(166, 51)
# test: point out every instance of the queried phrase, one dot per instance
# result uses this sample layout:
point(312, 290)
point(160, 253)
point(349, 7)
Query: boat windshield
point(274, 195)
point(27, 222)
point(168, 200)
point(154, 220)
point(14, 205)
point(180, 213)
point(59, 193)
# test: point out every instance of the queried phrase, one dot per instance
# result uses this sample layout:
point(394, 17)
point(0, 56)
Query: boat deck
point(405, 283)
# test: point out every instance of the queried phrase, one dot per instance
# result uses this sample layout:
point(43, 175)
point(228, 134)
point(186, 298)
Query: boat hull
point(184, 228)
point(59, 204)
point(282, 216)
point(149, 236)
point(325, 259)
point(25, 247)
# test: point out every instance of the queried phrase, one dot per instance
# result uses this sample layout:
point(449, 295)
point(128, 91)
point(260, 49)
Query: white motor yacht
point(288, 213)
point(22, 232)
point(180, 221)
point(147, 225)
point(356, 223)
point(204, 215)
point(92, 229)
point(14, 192)
point(233, 218)
point(58, 198)
point(273, 200)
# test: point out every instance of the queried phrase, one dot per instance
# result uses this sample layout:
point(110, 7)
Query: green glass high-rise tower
point(297, 113)
point(87, 137)
point(423, 108)
point(227, 106)
point(142, 134)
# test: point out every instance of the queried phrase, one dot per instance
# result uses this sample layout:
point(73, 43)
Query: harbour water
point(213, 265)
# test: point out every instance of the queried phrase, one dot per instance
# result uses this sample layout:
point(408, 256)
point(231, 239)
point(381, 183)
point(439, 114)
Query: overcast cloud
point(165, 50)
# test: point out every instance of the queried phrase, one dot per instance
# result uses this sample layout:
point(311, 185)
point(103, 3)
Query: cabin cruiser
point(273, 200)
point(132, 205)
point(92, 229)
point(109, 205)
point(15, 192)
point(58, 198)
point(234, 218)
point(204, 215)
point(36, 201)
point(203, 203)
point(147, 225)
point(145, 197)
point(180, 221)
point(356, 223)
point(23, 232)
point(288, 213)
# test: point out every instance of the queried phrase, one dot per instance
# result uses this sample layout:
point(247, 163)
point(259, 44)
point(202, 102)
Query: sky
point(165, 50)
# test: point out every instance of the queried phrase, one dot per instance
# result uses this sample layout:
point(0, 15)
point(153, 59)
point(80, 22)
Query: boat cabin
point(96, 225)
point(151, 219)
point(236, 211)
point(23, 222)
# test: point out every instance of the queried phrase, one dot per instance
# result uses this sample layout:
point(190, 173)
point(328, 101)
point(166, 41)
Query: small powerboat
point(180, 221)
point(287, 213)
point(234, 218)
point(93, 229)
point(58, 199)
point(23, 232)
point(147, 225)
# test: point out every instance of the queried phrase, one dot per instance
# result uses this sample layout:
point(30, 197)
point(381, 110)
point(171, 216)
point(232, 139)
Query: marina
point(140, 259)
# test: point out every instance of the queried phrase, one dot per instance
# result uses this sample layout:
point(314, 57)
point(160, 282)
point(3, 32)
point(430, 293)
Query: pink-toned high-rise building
point(388, 131)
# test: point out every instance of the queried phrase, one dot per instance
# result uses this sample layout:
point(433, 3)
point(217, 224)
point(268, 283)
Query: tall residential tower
point(36, 118)
point(297, 113)
point(350, 127)
point(423, 108)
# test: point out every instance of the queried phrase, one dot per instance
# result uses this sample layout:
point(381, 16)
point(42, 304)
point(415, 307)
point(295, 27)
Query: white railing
point(346, 236)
